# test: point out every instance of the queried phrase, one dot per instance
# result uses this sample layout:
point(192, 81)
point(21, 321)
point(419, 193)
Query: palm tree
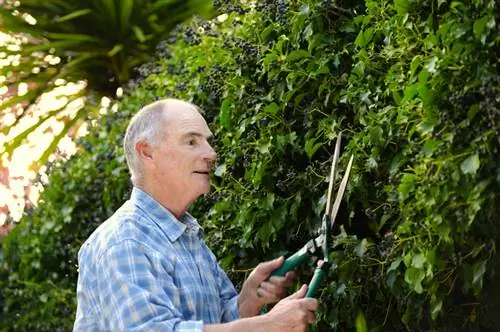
point(98, 42)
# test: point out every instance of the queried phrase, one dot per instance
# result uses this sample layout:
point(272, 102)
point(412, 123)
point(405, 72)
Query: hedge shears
point(319, 246)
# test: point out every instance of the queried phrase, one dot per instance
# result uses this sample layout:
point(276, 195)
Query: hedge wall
point(412, 84)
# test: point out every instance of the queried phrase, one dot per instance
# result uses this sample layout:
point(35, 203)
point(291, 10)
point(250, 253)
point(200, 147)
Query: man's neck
point(173, 203)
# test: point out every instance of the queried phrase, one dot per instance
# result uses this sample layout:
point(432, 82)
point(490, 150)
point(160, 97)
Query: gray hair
point(146, 125)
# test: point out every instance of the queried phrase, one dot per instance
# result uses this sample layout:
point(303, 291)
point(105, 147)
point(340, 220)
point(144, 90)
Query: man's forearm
point(252, 324)
point(248, 309)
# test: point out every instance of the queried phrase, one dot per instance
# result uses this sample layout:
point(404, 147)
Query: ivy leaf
point(478, 271)
point(220, 170)
point(430, 146)
point(401, 6)
point(407, 184)
point(470, 165)
point(361, 248)
point(480, 27)
point(418, 261)
point(471, 113)
point(224, 117)
point(394, 265)
point(436, 306)
point(311, 147)
point(271, 108)
point(431, 65)
point(364, 37)
point(298, 54)
point(414, 277)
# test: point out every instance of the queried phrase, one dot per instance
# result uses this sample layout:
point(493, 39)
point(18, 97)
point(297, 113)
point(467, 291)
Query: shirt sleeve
point(137, 292)
point(229, 297)
point(227, 292)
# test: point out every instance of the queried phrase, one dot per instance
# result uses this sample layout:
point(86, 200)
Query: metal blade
point(341, 191)
point(332, 175)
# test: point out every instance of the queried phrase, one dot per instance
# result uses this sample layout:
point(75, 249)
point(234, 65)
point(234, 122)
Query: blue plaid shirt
point(143, 270)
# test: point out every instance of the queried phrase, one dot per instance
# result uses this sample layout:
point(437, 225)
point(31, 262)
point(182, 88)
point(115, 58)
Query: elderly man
point(147, 268)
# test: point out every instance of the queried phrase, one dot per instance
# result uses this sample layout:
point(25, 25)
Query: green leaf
point(73, 15)
point(364, 37)
point(436, 306)
point(361, 248)
point(430, 146)
point(471, 113)
point(402, 6)
point(407, 184)
point(110, 8)
point(126, 10)
point(361, 325)
point(259, 173)
point(297, 54)
point(115, 50)
point(49, 45)
point(414, 277)
point(224, 116)
point(139, 33)
point(311, 147)
point(470, 165)
point(394, 265)
point(478, 270)
point(53, 145)
point(418, 261)
point(415, 63)
point(73, 37)
point(220, 170)
point(479, 28)
point(271, 108)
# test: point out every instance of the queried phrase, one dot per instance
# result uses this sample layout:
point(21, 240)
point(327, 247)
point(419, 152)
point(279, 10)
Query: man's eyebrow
point(198, 134)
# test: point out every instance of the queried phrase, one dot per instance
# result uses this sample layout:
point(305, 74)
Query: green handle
point(291, 263)
point(319, 273)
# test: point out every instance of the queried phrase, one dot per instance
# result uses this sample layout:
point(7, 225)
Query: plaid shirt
point(143, 270)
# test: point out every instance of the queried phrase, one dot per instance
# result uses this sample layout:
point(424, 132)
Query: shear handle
point(305, 253)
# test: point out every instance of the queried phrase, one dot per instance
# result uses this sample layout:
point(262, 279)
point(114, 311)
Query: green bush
point(413, 85)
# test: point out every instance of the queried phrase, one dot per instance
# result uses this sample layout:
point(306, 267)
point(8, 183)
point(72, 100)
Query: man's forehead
point(187, 122)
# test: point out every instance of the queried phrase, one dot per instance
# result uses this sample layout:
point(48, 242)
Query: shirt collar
point(169, 224)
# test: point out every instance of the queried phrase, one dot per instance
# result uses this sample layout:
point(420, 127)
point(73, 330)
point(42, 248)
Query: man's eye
point(191, 142)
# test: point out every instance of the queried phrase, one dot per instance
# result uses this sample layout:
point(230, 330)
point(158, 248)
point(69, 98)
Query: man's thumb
point(266, 268)
point(298, 294)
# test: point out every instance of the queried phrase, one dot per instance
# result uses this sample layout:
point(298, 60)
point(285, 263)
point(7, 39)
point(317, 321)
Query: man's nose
point(211, 155)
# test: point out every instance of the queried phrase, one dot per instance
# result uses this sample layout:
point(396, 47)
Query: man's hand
point(259, 289)
point(294, 313)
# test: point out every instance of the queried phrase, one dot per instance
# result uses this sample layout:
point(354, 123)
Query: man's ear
point(144, 150)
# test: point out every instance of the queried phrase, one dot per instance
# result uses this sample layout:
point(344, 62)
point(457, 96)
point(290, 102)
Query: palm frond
point(97, 41)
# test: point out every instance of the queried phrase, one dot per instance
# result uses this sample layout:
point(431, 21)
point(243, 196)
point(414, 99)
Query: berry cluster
point(191, 37)
point(162, 51)
point(228, 7)
point(214, 84)
point(276, 10)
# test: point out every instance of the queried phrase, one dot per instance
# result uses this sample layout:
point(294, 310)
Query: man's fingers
point(271, 288)
point(266, 268)
point(310, 304)
point(311, 317)
point(262, 293)
point(281, 281)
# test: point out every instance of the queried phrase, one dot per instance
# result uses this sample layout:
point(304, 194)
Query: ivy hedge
point(413, 86)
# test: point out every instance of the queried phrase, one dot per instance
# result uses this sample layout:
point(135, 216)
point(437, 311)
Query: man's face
point(183, 158)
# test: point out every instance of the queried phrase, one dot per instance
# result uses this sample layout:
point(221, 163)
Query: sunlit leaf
point(470, 165)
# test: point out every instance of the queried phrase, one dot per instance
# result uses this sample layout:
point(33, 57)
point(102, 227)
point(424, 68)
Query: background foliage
point(413, 86)
point(98, 42)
